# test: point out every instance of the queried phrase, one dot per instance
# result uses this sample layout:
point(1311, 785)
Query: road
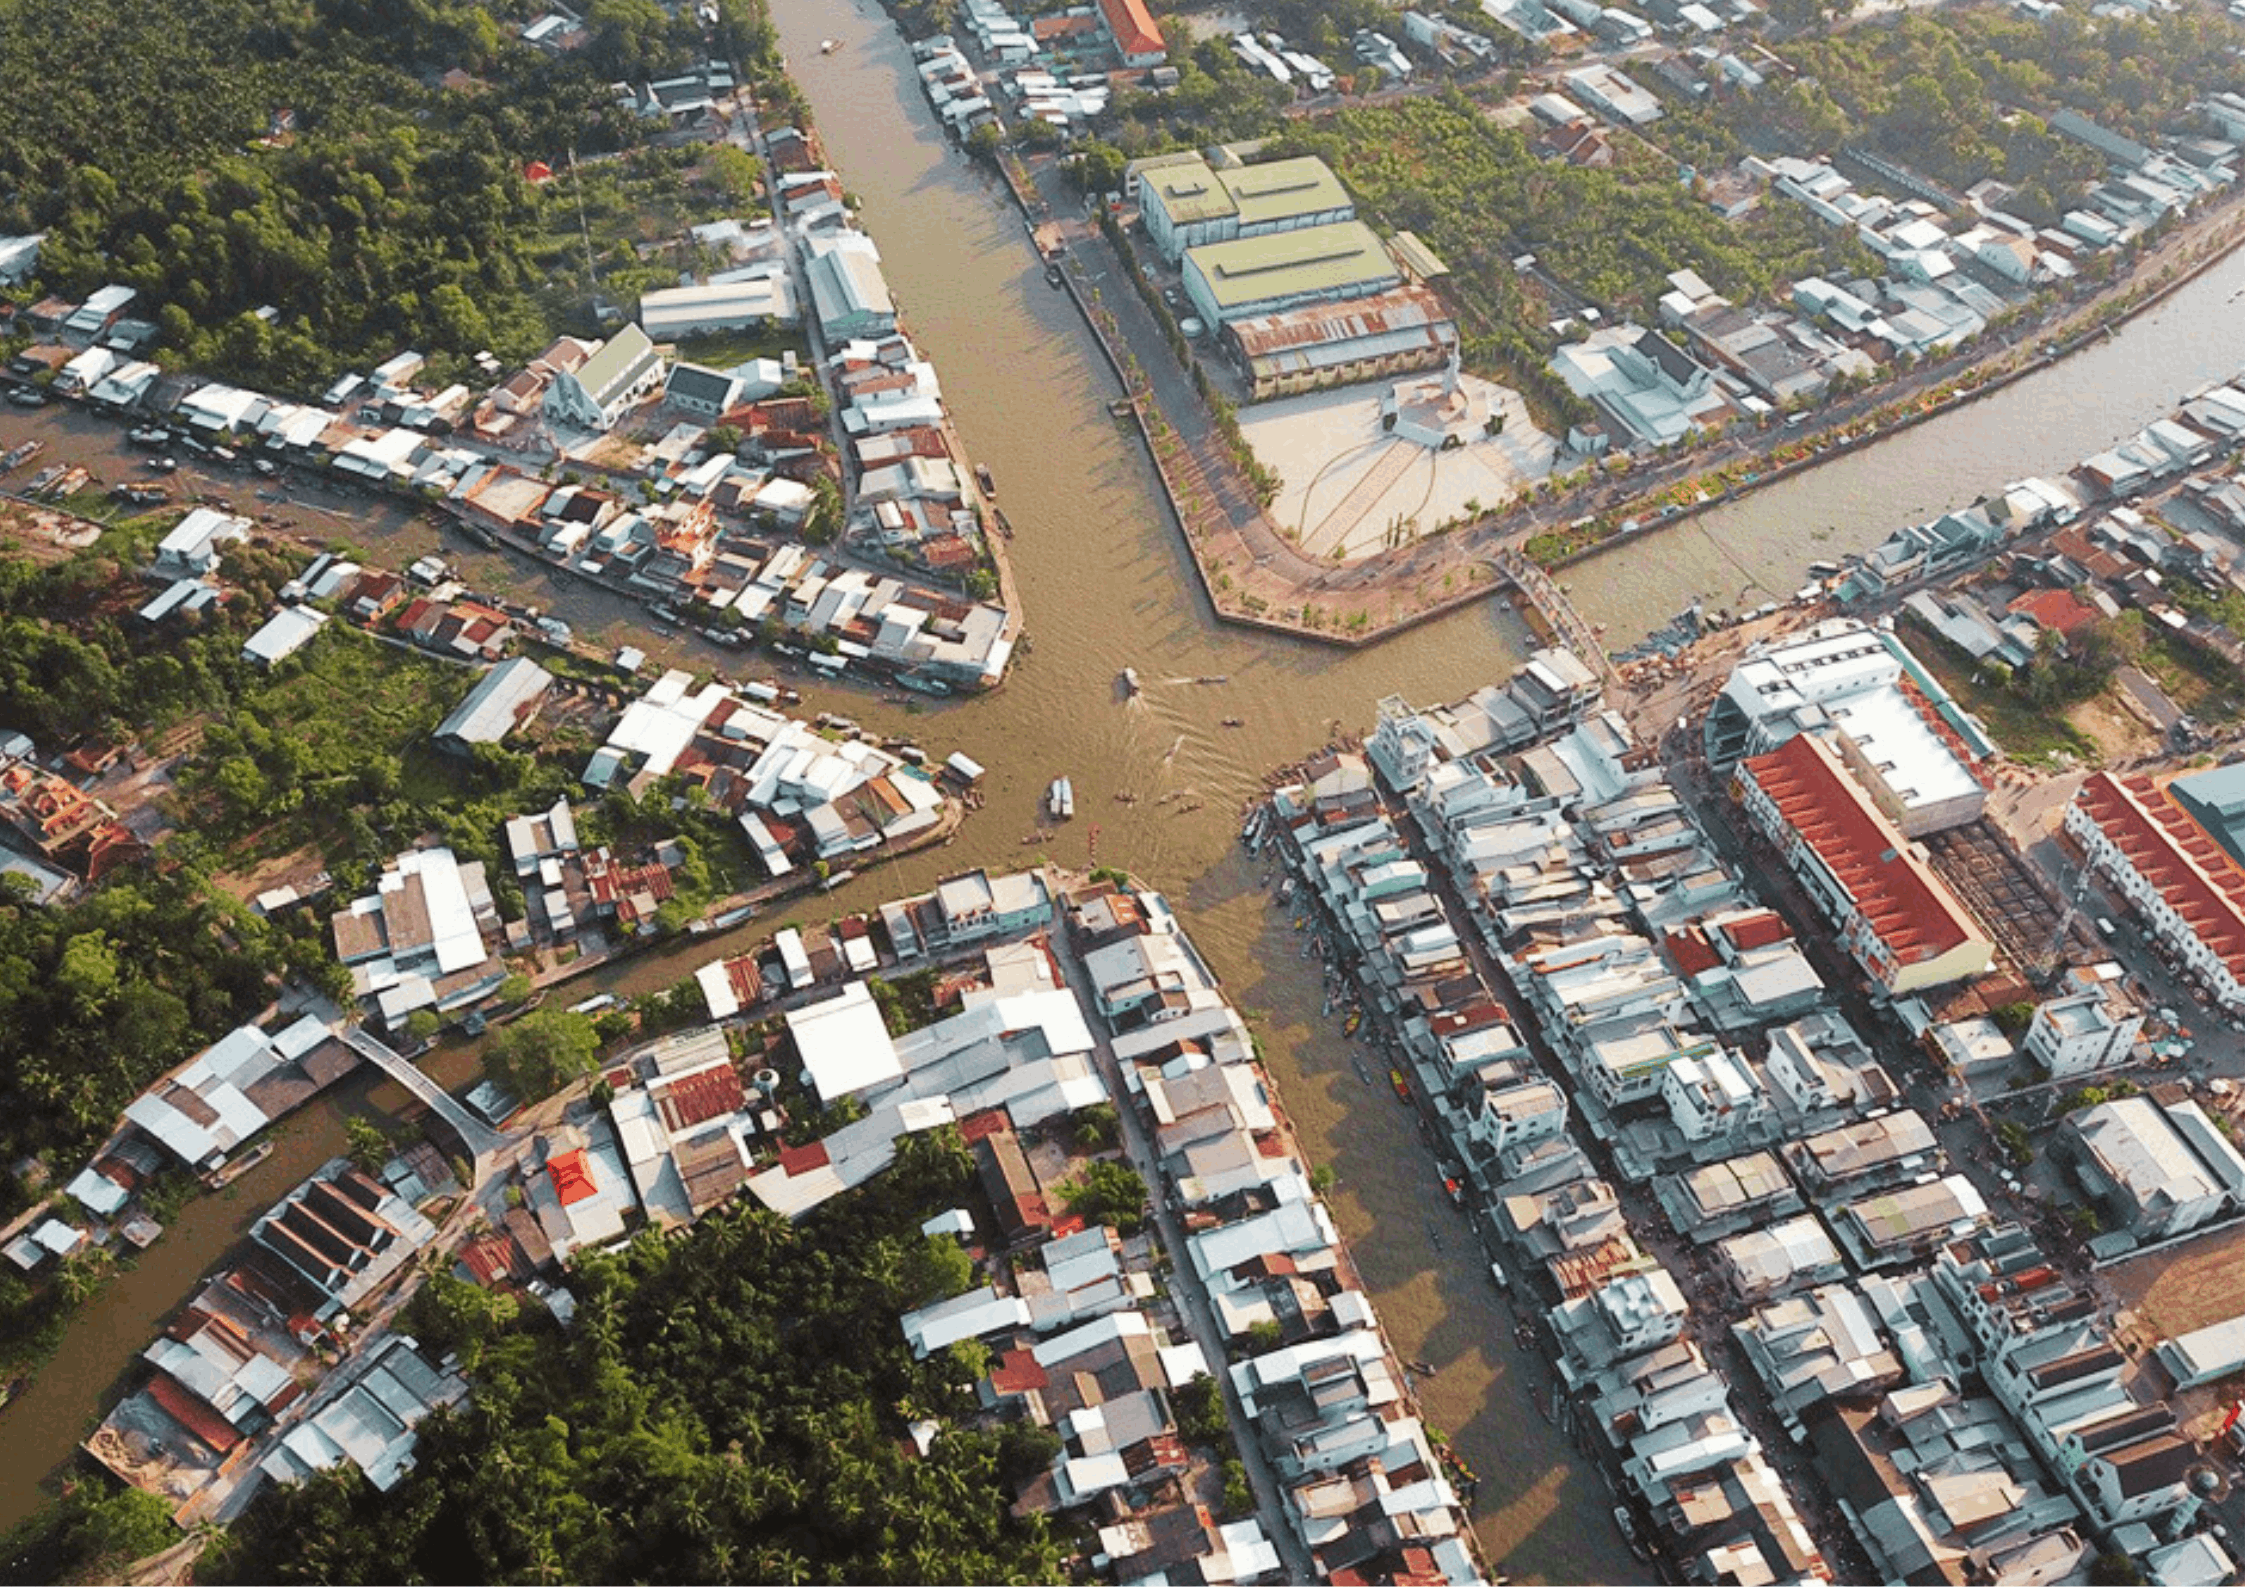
point(1195, 1306)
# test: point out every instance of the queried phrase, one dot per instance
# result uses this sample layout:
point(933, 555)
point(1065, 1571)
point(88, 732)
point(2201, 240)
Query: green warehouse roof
point(1314, 260)
point(1189, 192)
point(1283, 189)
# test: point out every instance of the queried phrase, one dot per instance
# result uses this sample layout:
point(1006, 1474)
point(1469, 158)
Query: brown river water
point(1107, 585)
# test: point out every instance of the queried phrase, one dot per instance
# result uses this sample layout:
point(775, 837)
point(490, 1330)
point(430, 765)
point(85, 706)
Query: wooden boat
point(982, 478)
point(226, 1173)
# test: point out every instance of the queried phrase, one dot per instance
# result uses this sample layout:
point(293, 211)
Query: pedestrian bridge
point(478, 1137)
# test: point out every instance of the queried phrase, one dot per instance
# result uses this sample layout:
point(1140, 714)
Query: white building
point(424, 938)
point(1716, 1094)
point(736, 304)
point(282, 635)
point(2188, 895)
point(1864, 692)
point(2082, 1033)
point(2156, 1171)
point(196, 542)
point(849, 294)
point(625, 371)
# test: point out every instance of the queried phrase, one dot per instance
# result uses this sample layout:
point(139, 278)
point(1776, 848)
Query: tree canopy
point(729, 1405)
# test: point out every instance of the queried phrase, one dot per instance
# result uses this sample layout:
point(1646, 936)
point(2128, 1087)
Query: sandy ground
point(2191, 1286)
point(1351, 490)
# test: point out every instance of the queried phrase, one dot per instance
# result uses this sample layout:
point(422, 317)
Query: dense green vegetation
point(394, 213)
point(100, 997)
point(1963, 96)
point(541, 1052)
point(90, 1534)
point(1472, 189)
point(730, 1405)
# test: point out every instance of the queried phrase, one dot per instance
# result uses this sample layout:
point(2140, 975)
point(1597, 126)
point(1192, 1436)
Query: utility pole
point(584, 228)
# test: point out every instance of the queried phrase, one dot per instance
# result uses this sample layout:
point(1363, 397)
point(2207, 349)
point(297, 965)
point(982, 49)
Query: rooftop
point(1910, 909)
point(1312, 260)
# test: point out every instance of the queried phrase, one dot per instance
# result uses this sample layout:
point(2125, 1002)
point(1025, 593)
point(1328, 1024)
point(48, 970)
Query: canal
point(1759, 548)
point(1107, 585)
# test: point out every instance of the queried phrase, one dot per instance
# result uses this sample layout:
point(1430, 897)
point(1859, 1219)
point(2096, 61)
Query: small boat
point(1286, 890)
point(226, 1173)
point(1219, 677)
point(1060, 799)
point(1456, 1190)
point(1053, 275)
point(920, 685)
point(1402, 1091)
point(1234, 721)
point(1424, 1369)
point(982, 478)
point(1824, 570)
point(829, 46)
point(1131, 686)
point(1358, 1065)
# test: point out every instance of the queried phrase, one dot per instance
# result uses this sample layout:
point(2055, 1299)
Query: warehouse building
point(848, 292)
point(1251, 276)
point(719, 306)
point(1401, 332)
point(1190, 204)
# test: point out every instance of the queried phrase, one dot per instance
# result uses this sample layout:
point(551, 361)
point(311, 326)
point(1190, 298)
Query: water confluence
point(1106, 585)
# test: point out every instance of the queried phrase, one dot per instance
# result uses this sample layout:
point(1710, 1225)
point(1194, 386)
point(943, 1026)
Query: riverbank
point(1253, 577)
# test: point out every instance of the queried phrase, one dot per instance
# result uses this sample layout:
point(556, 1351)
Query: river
point(1759, 548)
point(1107, 585)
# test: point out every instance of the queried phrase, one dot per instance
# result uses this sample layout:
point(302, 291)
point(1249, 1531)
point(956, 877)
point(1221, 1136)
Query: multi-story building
point(1894, 727)
point(1898, 920)
point(2185, 889)
point(1191, 204)
point(625, 371)
point(2078, 1035)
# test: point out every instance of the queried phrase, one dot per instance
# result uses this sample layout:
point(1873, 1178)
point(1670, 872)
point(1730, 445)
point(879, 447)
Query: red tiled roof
point(572, 1177)
point(2195, 877)
point(988, 1122)
point(1132, 25)
point(1761, 929)
point(489, 1258)
point(1909, 909)
point(2058, 609)
point(192, 1414)
point(1691, 952)
point(802, 1159)
point(1017, 1372)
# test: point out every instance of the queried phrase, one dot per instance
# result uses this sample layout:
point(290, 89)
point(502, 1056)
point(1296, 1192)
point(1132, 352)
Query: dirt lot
point(44, 536)
point(2189, 1287)
point(2117, 732)
point(297, 866)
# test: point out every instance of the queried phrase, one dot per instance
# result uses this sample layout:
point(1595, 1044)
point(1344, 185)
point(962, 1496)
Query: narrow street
point(1195, 1305)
